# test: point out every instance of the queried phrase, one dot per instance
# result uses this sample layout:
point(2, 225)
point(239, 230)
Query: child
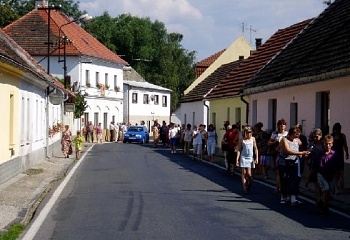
point(78, 143)
point(247, 156)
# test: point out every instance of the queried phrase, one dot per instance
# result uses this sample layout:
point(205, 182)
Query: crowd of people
point(254, 150)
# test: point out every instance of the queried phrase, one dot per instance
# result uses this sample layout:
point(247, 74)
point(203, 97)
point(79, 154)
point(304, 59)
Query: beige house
point(194, 109)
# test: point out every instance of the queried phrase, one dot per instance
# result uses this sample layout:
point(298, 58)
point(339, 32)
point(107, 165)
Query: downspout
point(48, 92)
point(207, 106)
point(247, 108)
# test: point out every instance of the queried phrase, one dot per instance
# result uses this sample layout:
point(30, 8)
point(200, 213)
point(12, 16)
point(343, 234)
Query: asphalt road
point(132, 191)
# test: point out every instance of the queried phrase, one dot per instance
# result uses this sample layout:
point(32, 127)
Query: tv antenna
point(251, 30)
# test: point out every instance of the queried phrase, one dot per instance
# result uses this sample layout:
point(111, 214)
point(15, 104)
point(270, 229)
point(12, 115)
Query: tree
point(158, 56)
point(80, 105)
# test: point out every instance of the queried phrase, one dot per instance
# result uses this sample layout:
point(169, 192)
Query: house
point(31, 102)
point(194, 109)
point(144, 102)
point(225, 99)
point(308, 82)
point(78, 58)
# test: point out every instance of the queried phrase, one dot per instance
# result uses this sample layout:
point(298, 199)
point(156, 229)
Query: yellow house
point(25, 94)
point(194, 109)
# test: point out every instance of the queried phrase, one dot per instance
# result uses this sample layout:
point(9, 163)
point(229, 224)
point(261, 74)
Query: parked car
point(136, 134)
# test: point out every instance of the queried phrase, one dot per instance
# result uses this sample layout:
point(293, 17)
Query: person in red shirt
point(231, 139)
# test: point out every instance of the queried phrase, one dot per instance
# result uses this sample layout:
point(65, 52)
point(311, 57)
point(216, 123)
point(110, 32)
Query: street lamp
point(66, 41)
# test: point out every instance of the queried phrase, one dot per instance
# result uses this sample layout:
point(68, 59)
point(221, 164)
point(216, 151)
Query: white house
point(143, 101)
point(89, 66)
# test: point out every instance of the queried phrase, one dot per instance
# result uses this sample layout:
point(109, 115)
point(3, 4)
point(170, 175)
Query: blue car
point(136, 134)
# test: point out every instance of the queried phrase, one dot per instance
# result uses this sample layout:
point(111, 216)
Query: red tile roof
point(203, 88)
point(30, 32)
point(231, 85)
point(15, 55)
point(205, 63)
point(323, 47)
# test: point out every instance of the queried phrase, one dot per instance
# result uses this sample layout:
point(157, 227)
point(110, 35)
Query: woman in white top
point(247, 157)
point(173, 134)
point(187, 139)
point(212, 138)
point(197, 142)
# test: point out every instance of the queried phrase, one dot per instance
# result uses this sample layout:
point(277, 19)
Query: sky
point(209, 26)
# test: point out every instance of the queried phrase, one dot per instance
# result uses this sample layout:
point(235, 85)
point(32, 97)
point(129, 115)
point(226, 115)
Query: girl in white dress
point(247, 157)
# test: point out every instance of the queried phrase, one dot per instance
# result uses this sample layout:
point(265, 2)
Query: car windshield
point(135, 129)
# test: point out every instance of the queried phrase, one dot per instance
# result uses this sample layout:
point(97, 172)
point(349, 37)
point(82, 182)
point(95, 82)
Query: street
point(132, 191)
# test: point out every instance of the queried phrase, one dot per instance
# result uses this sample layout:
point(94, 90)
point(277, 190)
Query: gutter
point(247, 108)
point(207, 106)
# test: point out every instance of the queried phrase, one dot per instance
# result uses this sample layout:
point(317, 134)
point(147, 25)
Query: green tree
point(147, 46)
point(8, 15)
point(80, 105)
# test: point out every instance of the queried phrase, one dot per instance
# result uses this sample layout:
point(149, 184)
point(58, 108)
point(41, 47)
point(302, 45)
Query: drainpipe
point(207, 106)
point(247, 108)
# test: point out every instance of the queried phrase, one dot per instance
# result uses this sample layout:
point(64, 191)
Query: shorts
point(323, 183)
point(211, 148)
point(173, 141)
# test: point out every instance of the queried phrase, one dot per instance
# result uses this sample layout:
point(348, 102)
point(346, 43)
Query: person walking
point(155, 133)
point(173, 135)
point(340, 146)
point(212, 139)
point(78, 144)
point(111, 132)
point(247, 157)
point(99, 133)
point(273, 144)
point(288, 167)
point(197, 142)
point(66, 142)
point(231, 138)
point(187, 139)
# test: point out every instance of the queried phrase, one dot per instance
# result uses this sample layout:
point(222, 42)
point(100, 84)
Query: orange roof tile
point(30, 32)
point(232, 84)
point(201, 66)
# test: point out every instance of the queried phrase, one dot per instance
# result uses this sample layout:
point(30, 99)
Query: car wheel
point(143, 141)
point(124, 141)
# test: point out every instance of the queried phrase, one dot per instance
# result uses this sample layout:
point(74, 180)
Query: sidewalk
point(20, 196)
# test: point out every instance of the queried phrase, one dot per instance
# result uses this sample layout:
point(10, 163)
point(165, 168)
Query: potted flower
point(99, 85)
point(117, 88)
point(88, 84)
point(107, 86)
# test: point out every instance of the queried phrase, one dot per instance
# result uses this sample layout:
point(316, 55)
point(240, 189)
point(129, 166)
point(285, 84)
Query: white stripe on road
point(30, 234)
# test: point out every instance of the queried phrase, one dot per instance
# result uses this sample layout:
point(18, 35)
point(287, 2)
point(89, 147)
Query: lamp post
point(66, 41)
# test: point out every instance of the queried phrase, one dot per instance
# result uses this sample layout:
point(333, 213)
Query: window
point(105, 119)
point(12, 120)
point(272, 113)
point(164, 101)
point(87, 77)
point(86, 119)
point(323, 111)
point(97, 78)
point(238, 114)
point(115, 81)
point(106, 79)
point(213, 118)
point(96, 119)
point(255, 112)
point(228, 114)
point(293, 114)
point(145, 99)
point(134, 97)
point(156, 99)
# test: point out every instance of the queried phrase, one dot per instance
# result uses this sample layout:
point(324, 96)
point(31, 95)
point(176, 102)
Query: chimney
point(42, 3)
point(241, 57)
point(257, 43)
